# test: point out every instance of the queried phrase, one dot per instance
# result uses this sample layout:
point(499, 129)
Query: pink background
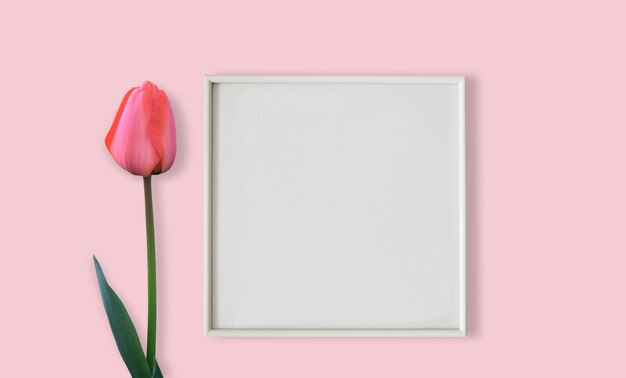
point(547, 187)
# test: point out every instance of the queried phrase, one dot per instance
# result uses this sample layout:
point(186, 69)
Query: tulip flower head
point(142, 139)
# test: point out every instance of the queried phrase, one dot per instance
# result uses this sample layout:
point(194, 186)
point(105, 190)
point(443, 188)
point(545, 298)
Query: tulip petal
point(116, 121)
point(162, 131)
point(131, 146)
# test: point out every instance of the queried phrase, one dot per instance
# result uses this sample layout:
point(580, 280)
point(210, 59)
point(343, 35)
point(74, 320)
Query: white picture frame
point(249, 248)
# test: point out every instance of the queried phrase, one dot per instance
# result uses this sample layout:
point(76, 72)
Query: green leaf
point(157, 373)
point(123, 329)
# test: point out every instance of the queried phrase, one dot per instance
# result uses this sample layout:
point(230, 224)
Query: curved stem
point(152, 305)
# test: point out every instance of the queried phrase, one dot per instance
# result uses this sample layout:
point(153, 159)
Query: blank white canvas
point(336, 206)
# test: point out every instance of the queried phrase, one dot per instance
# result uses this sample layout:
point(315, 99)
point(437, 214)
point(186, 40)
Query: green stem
point(152, 305)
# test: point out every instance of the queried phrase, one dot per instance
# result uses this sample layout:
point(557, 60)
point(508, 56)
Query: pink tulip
point(142, 139)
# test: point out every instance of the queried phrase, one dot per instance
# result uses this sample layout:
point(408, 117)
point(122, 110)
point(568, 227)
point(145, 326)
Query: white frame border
point(210, 80)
